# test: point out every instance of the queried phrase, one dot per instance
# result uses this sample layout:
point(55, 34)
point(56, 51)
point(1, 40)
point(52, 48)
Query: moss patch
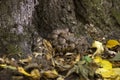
point(116, 14)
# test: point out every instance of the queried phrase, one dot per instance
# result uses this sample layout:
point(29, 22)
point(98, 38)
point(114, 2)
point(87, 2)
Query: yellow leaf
point(35, 74)
point(21, 70)
point(117, 71)
point(99, 48)
point(112, 74)
point(103, 63)
point(112, 43)
point(97, 59)
point(51, 74)
point(8, 66)
point(106, 64)
point(105, 72)
point(3, 65)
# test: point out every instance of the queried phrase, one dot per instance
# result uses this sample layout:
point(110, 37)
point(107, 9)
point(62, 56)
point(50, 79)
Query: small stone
point(66, 30)
point(58, 48)
point(63, 35)
point(71, 39)
point(61, 41)
point(72, 46)
point(56, 32)
point(54, 36)
point(71, 34)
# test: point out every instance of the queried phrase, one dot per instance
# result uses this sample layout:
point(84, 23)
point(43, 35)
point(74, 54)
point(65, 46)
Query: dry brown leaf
point(48, 56)
point(51, 74)
point(60, 78)
point(47, 44)
point(68, 54)
point(36, 54)
point(35, 74)
point(62, 66)
point(2, 60)
point(77, 58)
point(27, 60)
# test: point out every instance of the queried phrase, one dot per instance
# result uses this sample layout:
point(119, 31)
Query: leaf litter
point(100, 65)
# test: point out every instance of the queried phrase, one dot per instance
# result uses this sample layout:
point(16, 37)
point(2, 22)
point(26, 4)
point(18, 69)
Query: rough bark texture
point(94, 18)
point(102, 16)
point(21, 19)
point(55, 14)
point(16, 25)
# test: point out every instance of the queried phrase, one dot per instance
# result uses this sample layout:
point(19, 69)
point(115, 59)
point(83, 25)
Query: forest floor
point(65, 61)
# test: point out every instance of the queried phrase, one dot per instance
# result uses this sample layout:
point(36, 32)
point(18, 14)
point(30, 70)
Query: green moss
point(96, 1)
point(13, 49)
point(116, 14)
point(9, 41)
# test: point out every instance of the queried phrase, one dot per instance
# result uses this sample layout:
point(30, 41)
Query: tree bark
point(22, 20)
point(100, 15)
point(96, 18)
point(55, 14)
point(16, 25)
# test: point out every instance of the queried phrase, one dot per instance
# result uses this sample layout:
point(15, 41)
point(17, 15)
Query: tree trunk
point(93, 18)
point(100, 15)
point(55, 14)
point(21, 20)
point(16, 25)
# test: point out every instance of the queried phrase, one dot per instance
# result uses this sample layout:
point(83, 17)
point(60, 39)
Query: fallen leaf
point(112, 74)
point(117, 71)
point(51, 74)
point(112, 43)
point(8, 66)
point(99, 48)
point(68, 53)
point(102, 63)
point(27, 60)
point(105, 70)
point(77, 58)
point(82, 69)
point(48, 56)
point(21, 70)
point(35, 74)
point(60, 78)
point(106, 73)
point(36, 54)
point(50, 51)
point(61, 64)
point(47, 44)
